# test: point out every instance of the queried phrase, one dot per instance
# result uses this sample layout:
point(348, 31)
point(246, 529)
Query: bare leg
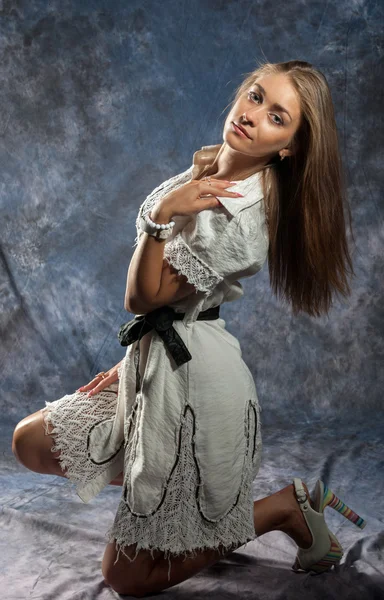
point(280, 512)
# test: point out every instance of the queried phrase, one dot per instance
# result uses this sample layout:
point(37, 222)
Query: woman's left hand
point(98, 384)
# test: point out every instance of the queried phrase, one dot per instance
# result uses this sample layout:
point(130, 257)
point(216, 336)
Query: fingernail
point(89, 393)
point(237, 194)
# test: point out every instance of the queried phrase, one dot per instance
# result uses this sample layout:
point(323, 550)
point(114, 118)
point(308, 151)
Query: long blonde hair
point(305, 197)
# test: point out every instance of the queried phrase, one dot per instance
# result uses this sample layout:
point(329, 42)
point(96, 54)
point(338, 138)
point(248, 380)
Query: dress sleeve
point(155, 196)
point(213, 247)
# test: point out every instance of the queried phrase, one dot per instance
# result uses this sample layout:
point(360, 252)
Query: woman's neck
point(234, 166)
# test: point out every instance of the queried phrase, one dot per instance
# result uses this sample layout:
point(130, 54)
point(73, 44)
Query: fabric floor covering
point(52, 543)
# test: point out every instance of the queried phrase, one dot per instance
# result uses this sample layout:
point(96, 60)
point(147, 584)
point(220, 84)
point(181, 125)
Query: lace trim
point(180, 256)
point(177, 527)
point(170, 184)
point(69, 420)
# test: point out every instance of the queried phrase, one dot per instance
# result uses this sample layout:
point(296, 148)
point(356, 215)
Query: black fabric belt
point(161, 320)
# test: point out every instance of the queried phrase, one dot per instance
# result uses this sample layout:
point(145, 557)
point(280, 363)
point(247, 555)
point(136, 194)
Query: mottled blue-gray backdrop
point(101, 102)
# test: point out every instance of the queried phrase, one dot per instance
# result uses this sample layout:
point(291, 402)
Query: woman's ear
point(285, 152)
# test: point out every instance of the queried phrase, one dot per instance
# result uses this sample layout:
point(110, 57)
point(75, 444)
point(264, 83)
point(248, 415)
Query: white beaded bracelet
point(157, 230)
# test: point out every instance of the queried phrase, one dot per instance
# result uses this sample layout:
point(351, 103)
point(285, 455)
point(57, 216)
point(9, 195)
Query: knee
point(21, 442)
point(125, 589)
point(124, 579)
point(18, 440)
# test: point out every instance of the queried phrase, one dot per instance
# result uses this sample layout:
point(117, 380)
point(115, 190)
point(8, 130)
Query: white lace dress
point(189, 442)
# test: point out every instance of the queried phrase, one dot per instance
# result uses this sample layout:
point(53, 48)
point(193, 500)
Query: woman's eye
point(279, 122)
point(252, 95)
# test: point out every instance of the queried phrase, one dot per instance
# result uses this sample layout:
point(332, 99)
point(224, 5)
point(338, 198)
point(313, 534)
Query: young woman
point(177, 422)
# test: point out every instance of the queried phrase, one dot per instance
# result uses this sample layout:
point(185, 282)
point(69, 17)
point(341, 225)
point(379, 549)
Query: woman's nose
point(253, 115)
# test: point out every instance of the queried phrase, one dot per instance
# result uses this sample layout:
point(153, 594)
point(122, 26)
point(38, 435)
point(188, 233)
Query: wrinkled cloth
point(208, 404)
point(213, 249)
point(160, 319)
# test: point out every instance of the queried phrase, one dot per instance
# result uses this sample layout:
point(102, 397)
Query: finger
point(215, 186)
point(214, 190)
point(101, 386)
point(92, 384)
point(221, 182)
point(211, 178)
point(210, 202)
point(88, 386)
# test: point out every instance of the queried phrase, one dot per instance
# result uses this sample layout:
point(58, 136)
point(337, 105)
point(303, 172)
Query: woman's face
point(269, 127)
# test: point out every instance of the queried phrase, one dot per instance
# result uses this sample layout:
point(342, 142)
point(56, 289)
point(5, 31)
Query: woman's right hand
point(98, 384)
point(187, 200)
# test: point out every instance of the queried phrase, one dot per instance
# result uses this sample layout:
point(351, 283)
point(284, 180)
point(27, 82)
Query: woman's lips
point(239, 131)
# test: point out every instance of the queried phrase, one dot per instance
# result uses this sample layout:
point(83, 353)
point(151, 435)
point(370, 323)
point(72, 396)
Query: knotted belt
point(161, 320)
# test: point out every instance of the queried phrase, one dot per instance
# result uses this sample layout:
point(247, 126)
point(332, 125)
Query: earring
point(245, 117)
point(282, 157)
